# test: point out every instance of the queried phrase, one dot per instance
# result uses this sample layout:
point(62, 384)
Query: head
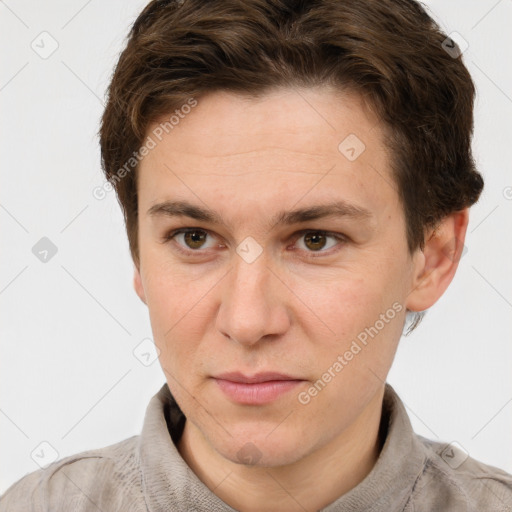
point(247, 121)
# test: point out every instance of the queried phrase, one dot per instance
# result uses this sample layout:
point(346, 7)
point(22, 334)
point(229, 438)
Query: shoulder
point(105, 478)
point(451, 480)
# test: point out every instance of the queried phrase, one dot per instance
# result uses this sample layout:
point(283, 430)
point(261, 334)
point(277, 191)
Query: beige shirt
point(146, 473)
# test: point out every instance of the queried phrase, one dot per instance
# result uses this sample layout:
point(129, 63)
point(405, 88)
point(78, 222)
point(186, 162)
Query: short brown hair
point(389, 51)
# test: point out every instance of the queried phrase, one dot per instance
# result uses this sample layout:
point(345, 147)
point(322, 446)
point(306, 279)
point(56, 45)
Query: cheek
point(182, 313)
point(362, 317)
point(171, 299)
point(350, 366)
point(168, 290)
point(344, 303)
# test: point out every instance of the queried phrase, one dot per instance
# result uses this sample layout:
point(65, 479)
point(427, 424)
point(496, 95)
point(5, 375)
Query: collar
point(169, 484)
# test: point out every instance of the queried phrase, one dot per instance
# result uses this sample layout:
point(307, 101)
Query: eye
point(189, 239)
point(194, 240)
point(318, 241)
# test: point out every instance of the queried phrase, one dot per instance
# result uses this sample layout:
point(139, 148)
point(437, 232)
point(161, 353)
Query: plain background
point(72, 326)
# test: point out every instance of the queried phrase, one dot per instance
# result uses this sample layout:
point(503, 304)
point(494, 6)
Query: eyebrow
point(334, 209)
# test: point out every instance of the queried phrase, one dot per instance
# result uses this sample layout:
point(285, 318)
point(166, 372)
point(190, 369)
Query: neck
point(308, 484)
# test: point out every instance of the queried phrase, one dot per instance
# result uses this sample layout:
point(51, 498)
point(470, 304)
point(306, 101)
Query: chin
point(258, 450)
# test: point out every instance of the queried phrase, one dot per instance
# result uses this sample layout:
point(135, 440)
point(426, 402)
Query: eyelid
point(341, 238)
point(169, 237)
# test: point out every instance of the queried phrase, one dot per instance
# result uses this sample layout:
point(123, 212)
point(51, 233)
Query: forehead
point(288, 145)
point(283, 118)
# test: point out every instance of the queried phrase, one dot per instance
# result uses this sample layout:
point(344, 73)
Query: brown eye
point(194, 239)
point(320, 243)
point(315, 241)
point(190, 240)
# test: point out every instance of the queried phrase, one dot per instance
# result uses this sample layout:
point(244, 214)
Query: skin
point(288, 311)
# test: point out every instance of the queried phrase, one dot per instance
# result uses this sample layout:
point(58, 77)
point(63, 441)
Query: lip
point(254, 379)
point(258, 389)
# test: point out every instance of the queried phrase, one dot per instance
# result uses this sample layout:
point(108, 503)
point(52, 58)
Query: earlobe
point(137, 284)
point(437, 266)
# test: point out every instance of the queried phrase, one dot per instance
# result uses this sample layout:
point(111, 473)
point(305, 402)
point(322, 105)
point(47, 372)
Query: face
point(310, 304)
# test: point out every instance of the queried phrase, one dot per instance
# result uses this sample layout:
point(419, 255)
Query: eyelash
point(339, 237)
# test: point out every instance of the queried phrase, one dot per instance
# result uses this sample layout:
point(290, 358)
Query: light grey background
point(69, 377)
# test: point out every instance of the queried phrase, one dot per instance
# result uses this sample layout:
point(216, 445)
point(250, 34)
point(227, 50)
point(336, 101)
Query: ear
point(440, 259)
point(137, 284)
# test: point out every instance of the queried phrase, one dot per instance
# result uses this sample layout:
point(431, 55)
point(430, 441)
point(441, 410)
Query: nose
point(253, 303)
